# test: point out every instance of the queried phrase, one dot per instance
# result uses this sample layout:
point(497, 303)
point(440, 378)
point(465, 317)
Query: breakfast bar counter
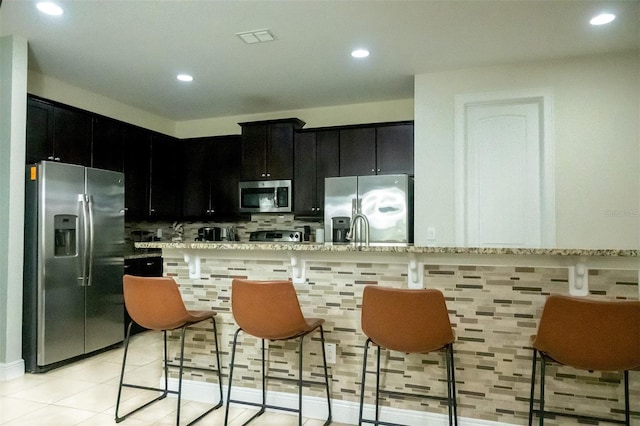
point(494, 297)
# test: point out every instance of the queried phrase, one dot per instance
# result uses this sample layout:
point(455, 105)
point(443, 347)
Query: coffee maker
point(209, 234)
point(339, 229)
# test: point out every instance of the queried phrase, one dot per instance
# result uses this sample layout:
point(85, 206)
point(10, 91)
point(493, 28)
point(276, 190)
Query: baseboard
point(11, 370)
point(316, 407)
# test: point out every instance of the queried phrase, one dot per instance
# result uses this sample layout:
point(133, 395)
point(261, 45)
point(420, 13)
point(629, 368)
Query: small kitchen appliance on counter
point(340, 228)
point(213, 233)
point(276, 236)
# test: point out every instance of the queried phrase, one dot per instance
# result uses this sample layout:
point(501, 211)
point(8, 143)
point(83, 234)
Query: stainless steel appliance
point(265, 196)
point(212, 233)
point(276, 236)
point(340, 229)
point(386, 201)
point(74, 260)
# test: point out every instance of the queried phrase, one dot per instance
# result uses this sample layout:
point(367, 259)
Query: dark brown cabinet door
point(358, 151)
point(225, 163)
point(107, 144)
point(316, 158)
point(254, 151)
point(211, 175)
point(196, 178)
point(165, 178)
point(39, 131)
point(56, 133)
point(267, 149)
point(394, 149)
point(304, 178)
point(137, 162)
point(72, 136)
point(280, 151)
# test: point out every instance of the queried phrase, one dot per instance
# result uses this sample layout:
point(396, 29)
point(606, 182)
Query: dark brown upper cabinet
point(267, 149)
point(107, 144)
point(316, 155)
point(376, 149)
point(358, 151)
point(58, 134)
point(211, 175)
point(137, 169)
point(165, 177)
point(394, 149)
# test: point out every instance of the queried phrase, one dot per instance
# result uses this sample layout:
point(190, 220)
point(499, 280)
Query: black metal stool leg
point(326, 376)
point(300, 381)
point(180, 372)
point(233, 358)
point(378, 385)
point(627, 414)
point(124, 362)
point(364, 378)
point(542, 374)
point(533, 386)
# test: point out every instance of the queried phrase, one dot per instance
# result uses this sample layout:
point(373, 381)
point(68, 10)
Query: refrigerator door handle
point(85, 234)
point(89, 274)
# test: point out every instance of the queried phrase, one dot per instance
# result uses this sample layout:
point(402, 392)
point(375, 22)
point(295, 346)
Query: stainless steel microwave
point(265, 196)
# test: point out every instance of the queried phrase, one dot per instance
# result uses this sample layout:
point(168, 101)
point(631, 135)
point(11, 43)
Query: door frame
point(544, 98)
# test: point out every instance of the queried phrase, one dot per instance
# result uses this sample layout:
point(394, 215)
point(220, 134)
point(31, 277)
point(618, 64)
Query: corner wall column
point(13, 112)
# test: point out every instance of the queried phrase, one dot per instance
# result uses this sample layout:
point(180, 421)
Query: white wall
point(60, 91)
point(596, 113)
point(13, 90)
point(372, 112)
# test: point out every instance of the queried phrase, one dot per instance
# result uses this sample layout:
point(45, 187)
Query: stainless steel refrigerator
point(74, 262)
point(386, 201)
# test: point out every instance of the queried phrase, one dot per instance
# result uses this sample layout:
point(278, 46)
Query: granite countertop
point(199, 245)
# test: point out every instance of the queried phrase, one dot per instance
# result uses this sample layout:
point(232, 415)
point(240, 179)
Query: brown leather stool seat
point(270, 310)
point(155, 303)
point(586, 334)
point(409, 321)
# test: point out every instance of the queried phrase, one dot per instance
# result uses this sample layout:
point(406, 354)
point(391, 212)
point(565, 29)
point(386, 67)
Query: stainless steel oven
point(265, 196)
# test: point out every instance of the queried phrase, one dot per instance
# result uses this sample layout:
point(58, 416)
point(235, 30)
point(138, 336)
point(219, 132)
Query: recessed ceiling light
point(49, 8)
point(602, 19)
point(360, 53)
point(184, 77)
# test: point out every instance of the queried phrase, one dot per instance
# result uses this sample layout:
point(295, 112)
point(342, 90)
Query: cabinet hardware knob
point(378, 169)
point(373, 170)
point(50, 157)
point(57, 158)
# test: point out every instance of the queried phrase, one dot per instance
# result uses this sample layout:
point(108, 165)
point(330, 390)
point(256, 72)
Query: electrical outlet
point(330, 352)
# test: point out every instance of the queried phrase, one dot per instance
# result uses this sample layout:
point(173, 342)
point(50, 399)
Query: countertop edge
point(308, 247)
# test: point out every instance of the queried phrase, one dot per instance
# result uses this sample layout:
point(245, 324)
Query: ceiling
point(131, 51)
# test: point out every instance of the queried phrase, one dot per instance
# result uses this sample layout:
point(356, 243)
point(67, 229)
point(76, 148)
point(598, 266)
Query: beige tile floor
point(84, 393)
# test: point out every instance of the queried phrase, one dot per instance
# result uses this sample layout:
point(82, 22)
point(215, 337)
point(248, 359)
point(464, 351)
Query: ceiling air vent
point(256, 36)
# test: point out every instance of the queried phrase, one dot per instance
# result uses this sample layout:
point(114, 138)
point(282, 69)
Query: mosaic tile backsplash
point(494, 311)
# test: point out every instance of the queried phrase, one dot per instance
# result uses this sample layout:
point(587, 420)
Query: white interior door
point(503, 175)
point(505, 192)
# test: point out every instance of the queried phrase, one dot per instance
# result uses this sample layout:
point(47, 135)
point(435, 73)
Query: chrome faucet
point(357, 237)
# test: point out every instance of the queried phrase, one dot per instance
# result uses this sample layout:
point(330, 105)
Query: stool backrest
point(267, 309)
point(590, 334)
point(406, 320)
point(154, 302)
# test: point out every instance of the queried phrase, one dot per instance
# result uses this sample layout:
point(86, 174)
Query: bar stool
point(589, 335)
point(410, 321)
point(269, 310)
point(155, 303)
